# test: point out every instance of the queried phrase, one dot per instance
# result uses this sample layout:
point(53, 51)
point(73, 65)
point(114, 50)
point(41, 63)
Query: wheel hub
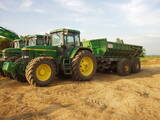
point(43, 72)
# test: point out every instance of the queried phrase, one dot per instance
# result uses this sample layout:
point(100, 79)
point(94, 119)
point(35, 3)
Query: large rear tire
point(83, 66)
point(40, 71)
point(124, 67)
point(136, 65)
point(16, 75)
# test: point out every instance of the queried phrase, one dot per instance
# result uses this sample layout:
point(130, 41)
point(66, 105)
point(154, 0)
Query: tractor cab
point(36, 40)
point(65, 38)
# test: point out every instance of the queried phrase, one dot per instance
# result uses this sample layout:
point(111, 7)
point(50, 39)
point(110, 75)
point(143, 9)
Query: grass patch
point(147, 59)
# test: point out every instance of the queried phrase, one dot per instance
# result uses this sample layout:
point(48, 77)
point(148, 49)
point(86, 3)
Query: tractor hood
point(11, 50)
point(40, 50)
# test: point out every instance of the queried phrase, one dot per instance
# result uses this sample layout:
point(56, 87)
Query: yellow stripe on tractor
point(38, 49)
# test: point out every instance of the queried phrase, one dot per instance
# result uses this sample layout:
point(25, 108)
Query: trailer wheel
point(40, 71)
point(83, 66)
point(124, 67)
point(10, 59)
point(16, 75)
point(136, 65)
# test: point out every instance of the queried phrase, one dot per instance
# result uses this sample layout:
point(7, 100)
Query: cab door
point(71, 41)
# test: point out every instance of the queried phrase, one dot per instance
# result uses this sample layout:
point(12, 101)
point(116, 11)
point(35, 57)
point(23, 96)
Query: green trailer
point(110, 54)
point(66, 55)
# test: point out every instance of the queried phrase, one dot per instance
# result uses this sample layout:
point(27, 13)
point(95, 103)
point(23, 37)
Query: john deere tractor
point(14, 54)
point(10, 52)
point(66, 55)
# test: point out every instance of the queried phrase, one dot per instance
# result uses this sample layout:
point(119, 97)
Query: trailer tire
point(124, 67)
point(10, 59)
point(77, 65)
point(136, 65)
point(40, 71)
point(16, 75)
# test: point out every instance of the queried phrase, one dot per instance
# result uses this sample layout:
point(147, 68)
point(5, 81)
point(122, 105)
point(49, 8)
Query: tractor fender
point(76, 50)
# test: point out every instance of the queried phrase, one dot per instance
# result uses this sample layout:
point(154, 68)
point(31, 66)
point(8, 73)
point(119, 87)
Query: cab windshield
point(57, 38)
point(21, 43)
point(32, 41)
point(40, 40)
point(72, 39)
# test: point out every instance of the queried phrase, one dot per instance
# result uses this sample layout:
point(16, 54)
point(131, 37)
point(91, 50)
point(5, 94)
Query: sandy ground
point(106, 97)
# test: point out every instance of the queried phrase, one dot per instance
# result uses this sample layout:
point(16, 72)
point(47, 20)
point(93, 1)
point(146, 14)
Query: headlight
point(4, 57)
point(25, 56)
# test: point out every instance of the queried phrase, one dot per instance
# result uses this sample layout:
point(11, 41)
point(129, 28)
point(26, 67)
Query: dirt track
point(106, 97)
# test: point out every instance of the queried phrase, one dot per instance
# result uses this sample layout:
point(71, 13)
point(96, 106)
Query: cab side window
point(70, 40)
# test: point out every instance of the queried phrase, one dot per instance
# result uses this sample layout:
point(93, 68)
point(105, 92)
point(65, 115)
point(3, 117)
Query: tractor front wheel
point(83, 66)
point(40, 71)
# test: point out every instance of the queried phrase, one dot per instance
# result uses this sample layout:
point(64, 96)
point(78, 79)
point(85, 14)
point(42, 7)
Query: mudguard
point(76, 50)
point(9, 66)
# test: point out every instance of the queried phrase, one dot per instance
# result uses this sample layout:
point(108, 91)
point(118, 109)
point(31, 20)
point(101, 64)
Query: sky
point(134, 21)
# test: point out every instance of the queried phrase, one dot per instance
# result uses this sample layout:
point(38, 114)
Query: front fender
point(9, 67)
point(76, 50)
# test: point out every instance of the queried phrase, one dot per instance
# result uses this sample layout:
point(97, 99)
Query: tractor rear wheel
point(40, 71)
point(136, 65)
point(16, 75)
point(124, 67)
point(83, 66)
point(10, 59)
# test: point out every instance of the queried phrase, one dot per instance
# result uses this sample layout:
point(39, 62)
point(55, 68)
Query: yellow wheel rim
point(43, 72)
point(86, 66)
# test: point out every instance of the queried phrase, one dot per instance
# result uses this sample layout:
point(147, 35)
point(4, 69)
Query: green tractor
point(11, 54)
point(7, 53)
point(14, 54)
point(66, 55)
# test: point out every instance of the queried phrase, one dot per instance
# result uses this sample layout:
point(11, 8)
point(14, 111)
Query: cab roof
point(36, 35)
point(65, 29)
point(17, 40)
